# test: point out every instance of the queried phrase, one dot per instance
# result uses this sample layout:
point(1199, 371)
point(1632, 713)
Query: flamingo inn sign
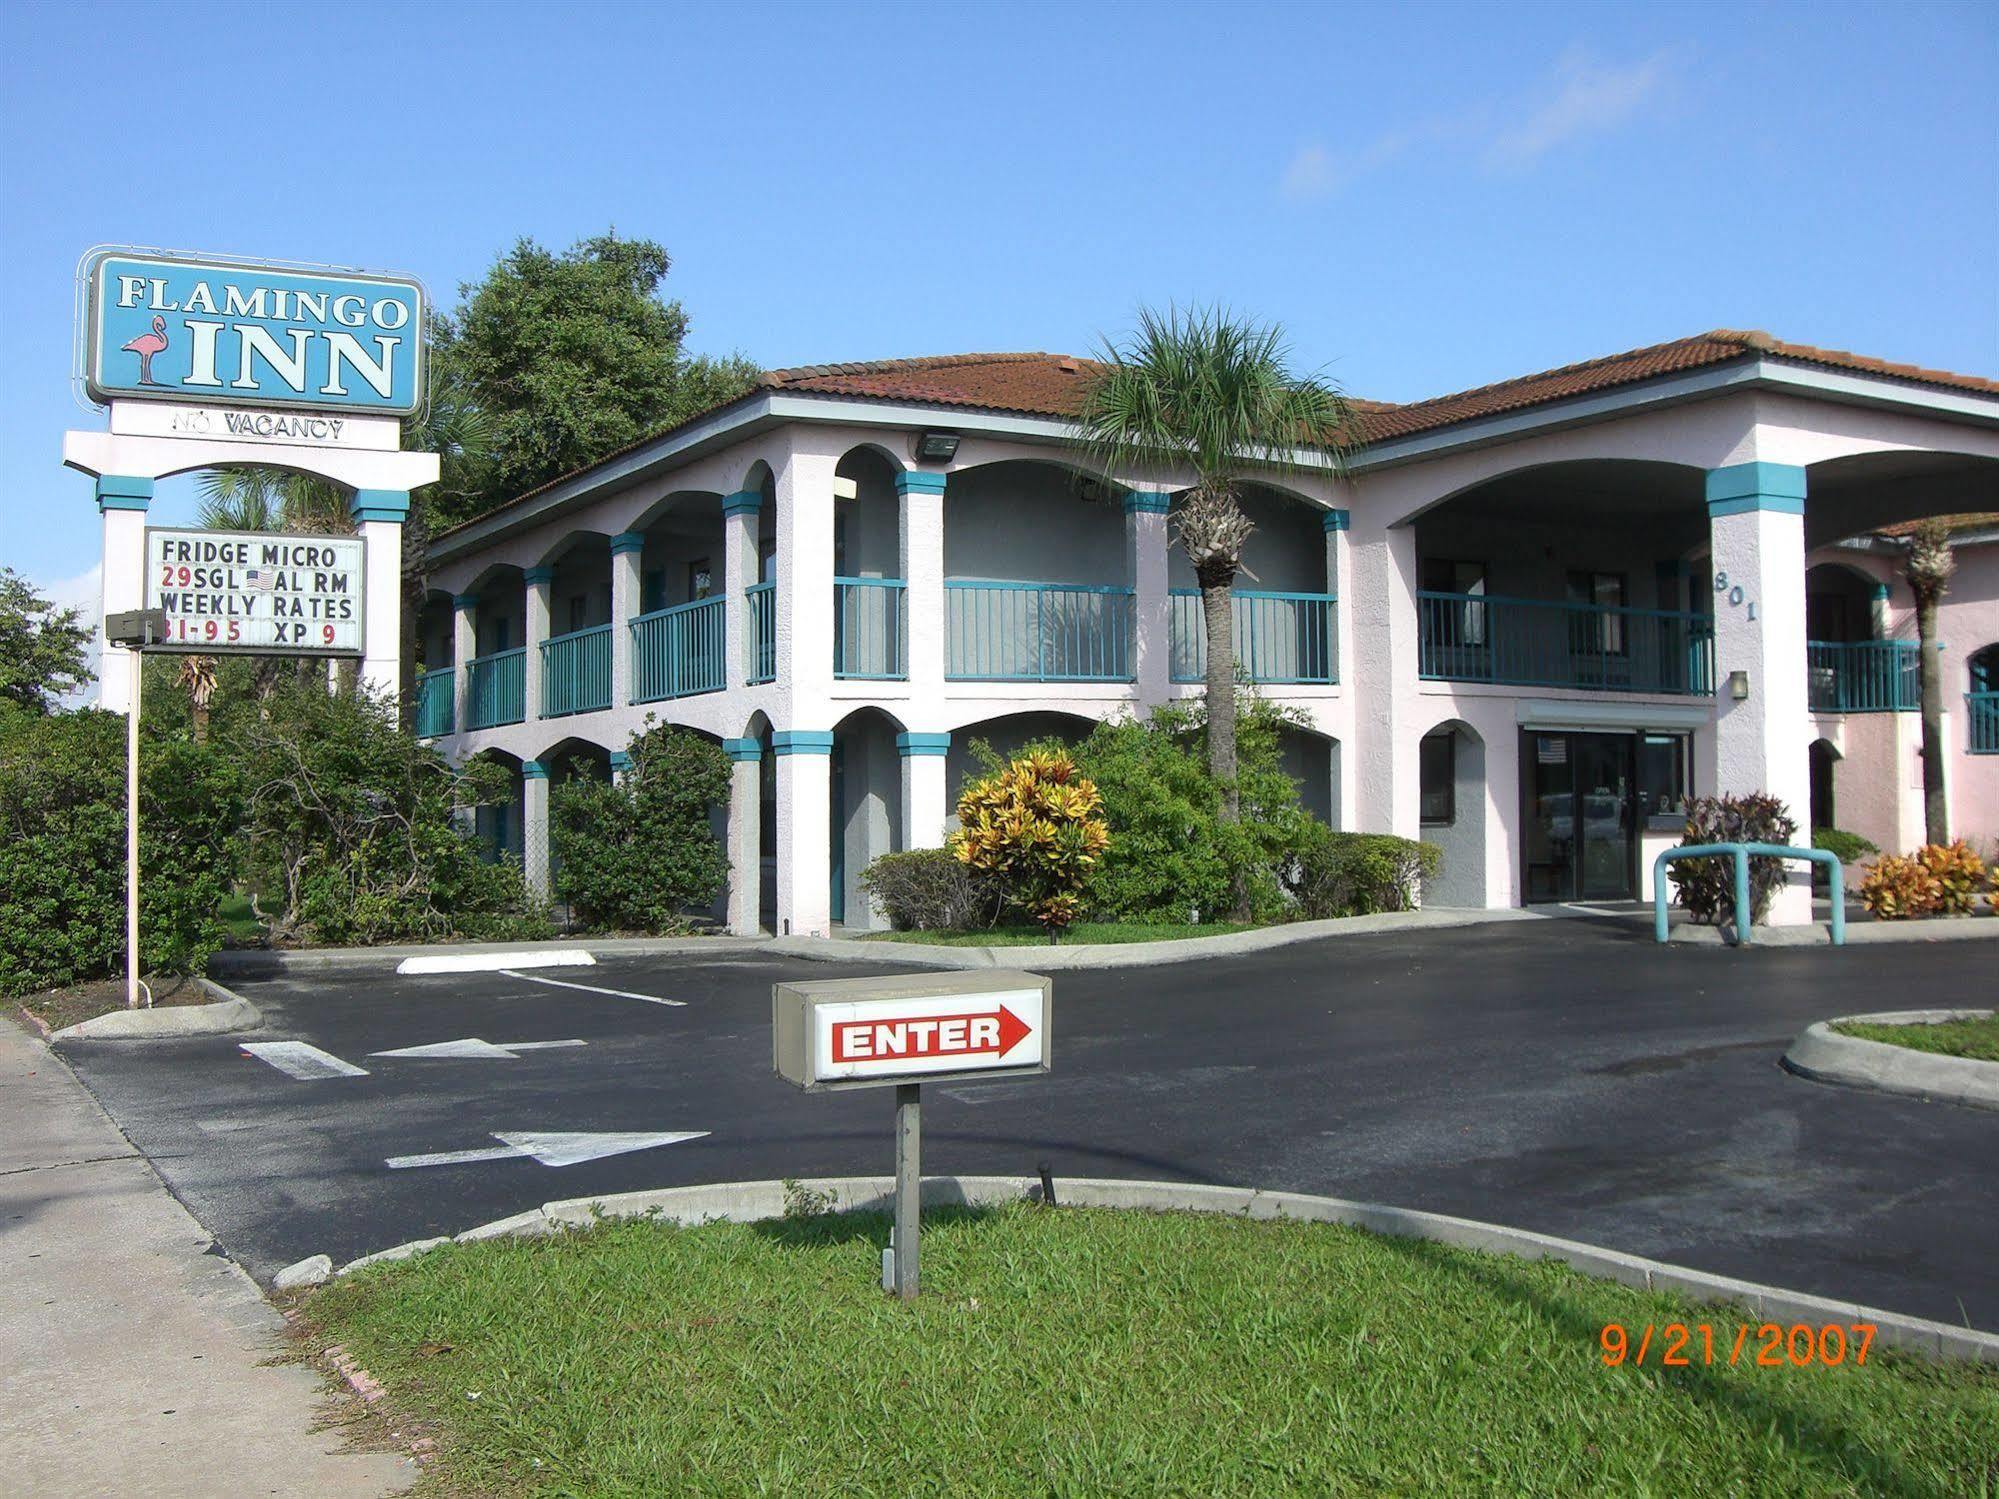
point(209, 361)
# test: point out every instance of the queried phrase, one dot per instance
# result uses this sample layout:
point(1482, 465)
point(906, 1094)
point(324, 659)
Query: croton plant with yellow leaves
point(1035, 827)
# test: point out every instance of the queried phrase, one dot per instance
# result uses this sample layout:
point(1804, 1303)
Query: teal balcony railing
point(1279, 637)
point(435, 710)
point(870, 628)
point(1864, 676)
point(576, 672)
point(679, 652)
point(1463, 637)
point(496, 689)
point(761, 601)
point(1982, 709)
point(1037, 632)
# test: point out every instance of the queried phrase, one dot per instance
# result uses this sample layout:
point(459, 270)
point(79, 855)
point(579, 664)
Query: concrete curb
point(1043, 957)
point(272, 962)
point(225, 1013)
point(1858, 933)
point(1824, 1055)
point(755, 1201)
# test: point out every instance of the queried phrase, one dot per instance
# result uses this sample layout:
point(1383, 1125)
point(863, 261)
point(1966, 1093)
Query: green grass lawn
point(1095, 1352)
point(239, 920)
point(1081, 932)
point(1978, 1039)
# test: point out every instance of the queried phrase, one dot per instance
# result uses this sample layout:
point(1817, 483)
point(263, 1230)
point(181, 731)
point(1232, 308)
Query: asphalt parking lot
point(1564, 1076)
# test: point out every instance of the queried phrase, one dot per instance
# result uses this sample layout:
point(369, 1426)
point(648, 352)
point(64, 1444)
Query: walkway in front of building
point(134, 1357)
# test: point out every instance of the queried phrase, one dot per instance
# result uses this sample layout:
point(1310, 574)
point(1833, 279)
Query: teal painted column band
point(1880, 593)
point(123, 492)
point(742, 750)
point(1742, 487)
point(627, 541)
point(379, 504)
point(465, 601)
point(534, 575)
point(923, 744)
point(1148, 502)
point(743, 502)
point(802, 742)
point(1335, 520)
point(534, 770)
point(920, 481)
point(620, 762)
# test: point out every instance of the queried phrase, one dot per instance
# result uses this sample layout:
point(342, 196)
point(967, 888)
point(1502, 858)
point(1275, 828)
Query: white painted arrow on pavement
point(551, 1149)
point(472, 1048)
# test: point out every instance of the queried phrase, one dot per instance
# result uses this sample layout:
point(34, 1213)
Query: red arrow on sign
point(928, 1036)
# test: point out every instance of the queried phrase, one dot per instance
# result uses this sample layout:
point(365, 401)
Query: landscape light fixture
point(1738, 686)
point(937, 447)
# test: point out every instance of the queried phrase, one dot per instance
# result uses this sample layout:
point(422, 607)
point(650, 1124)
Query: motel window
point(1437, 775)
point(578, 607)
point(700, 580)
point(652, 590)
point(1598, 634)
point(1664, 778)
point(1449, 624)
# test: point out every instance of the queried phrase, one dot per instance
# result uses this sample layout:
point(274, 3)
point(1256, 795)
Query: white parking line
point(651, 999)
point(298, 1060)
point(497, 962)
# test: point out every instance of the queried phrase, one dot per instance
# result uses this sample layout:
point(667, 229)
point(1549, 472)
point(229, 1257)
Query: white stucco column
point(534, 826)
point(920, 497)
point(1763, 724)
point(741, 515)
point(379, 515)
point(1380, 613)
point(122, 503)
point(540, 583)
point(805, 584)
point(627, 552)
point(804, 823)
point(1152, 605)
point(464, 646)
point(745, 836)
point(924, 807)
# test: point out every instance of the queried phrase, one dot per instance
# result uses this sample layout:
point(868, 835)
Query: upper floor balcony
point(1517, 642)
point(1864, 676)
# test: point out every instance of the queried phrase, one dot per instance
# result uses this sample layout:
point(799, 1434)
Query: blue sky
point(1427, 197)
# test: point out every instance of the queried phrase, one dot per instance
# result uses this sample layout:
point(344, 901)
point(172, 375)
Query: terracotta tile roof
point(1052, 385)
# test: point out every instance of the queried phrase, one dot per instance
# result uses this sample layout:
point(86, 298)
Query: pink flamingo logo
point(146, 345)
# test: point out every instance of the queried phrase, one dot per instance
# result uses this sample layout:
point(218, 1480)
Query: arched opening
point(759, 729)
point(1002, 736)
point(1867, 492)
point(1020, 609)
point(1312, 761)
point(1451, 811)
point(436, 706)
point(1982, 706)
point(497, 823)
point(1825, 807)
point(866, 806)
point(870, 604)
point(575, 649)
point(1282, 600)
point(679, 630)
point(1568, 575)
point(1852, 667)
point(569, 761)
point(496, 676)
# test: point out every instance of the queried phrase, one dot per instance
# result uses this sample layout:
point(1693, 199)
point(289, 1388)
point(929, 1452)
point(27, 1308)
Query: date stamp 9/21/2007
point(1766, 1345)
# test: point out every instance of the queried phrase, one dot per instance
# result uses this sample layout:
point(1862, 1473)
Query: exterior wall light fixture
point(936, 447)
point(1738, 686)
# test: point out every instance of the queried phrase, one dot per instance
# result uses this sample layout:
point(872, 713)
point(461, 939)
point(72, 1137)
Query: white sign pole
point(132, 835)
point(908, 1185)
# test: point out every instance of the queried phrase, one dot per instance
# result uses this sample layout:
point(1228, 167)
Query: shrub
point(352, 827)
point(1358, 874)
point(62, 850)
point(1959, 874)
point(1897, 888)
point(637, 855)
point(1034, 828)
point(931, 889)
point(1706, 887)
point(1849, 848)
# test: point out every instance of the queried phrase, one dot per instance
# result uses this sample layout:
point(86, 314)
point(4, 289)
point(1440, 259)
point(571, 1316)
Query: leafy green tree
point(570, 357)
point(43, 649)
point(1204, 392)
point(636, 856)
point(62, 849)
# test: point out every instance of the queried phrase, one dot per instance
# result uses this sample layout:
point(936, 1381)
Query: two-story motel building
point(1528, 622)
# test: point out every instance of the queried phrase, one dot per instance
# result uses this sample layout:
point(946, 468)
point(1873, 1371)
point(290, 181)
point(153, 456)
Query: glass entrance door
point(1581, 831)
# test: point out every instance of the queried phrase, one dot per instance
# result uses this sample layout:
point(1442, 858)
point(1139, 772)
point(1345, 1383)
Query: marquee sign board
point(257, 592)
point(219, 332)
point(870, 1033)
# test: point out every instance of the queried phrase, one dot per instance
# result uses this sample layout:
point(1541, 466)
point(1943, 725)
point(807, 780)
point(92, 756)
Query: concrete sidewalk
point(131, 1351)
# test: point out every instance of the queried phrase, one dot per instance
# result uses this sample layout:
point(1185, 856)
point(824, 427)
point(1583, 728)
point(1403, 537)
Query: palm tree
point(198, 675)
point(1206, 392)
point(1928, 567)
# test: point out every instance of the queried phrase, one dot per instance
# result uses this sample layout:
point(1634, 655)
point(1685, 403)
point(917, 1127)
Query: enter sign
point(910, 1028)
point(998, 1032)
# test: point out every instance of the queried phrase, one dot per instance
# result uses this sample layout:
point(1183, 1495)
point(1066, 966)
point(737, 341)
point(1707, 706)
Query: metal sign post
point(904, 1032)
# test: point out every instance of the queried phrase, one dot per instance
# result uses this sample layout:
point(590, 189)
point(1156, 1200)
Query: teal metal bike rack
point(1742, 853)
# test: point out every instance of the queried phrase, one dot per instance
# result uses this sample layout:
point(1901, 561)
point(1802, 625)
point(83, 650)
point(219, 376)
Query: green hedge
point(1360, 874)
point(931, 890)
